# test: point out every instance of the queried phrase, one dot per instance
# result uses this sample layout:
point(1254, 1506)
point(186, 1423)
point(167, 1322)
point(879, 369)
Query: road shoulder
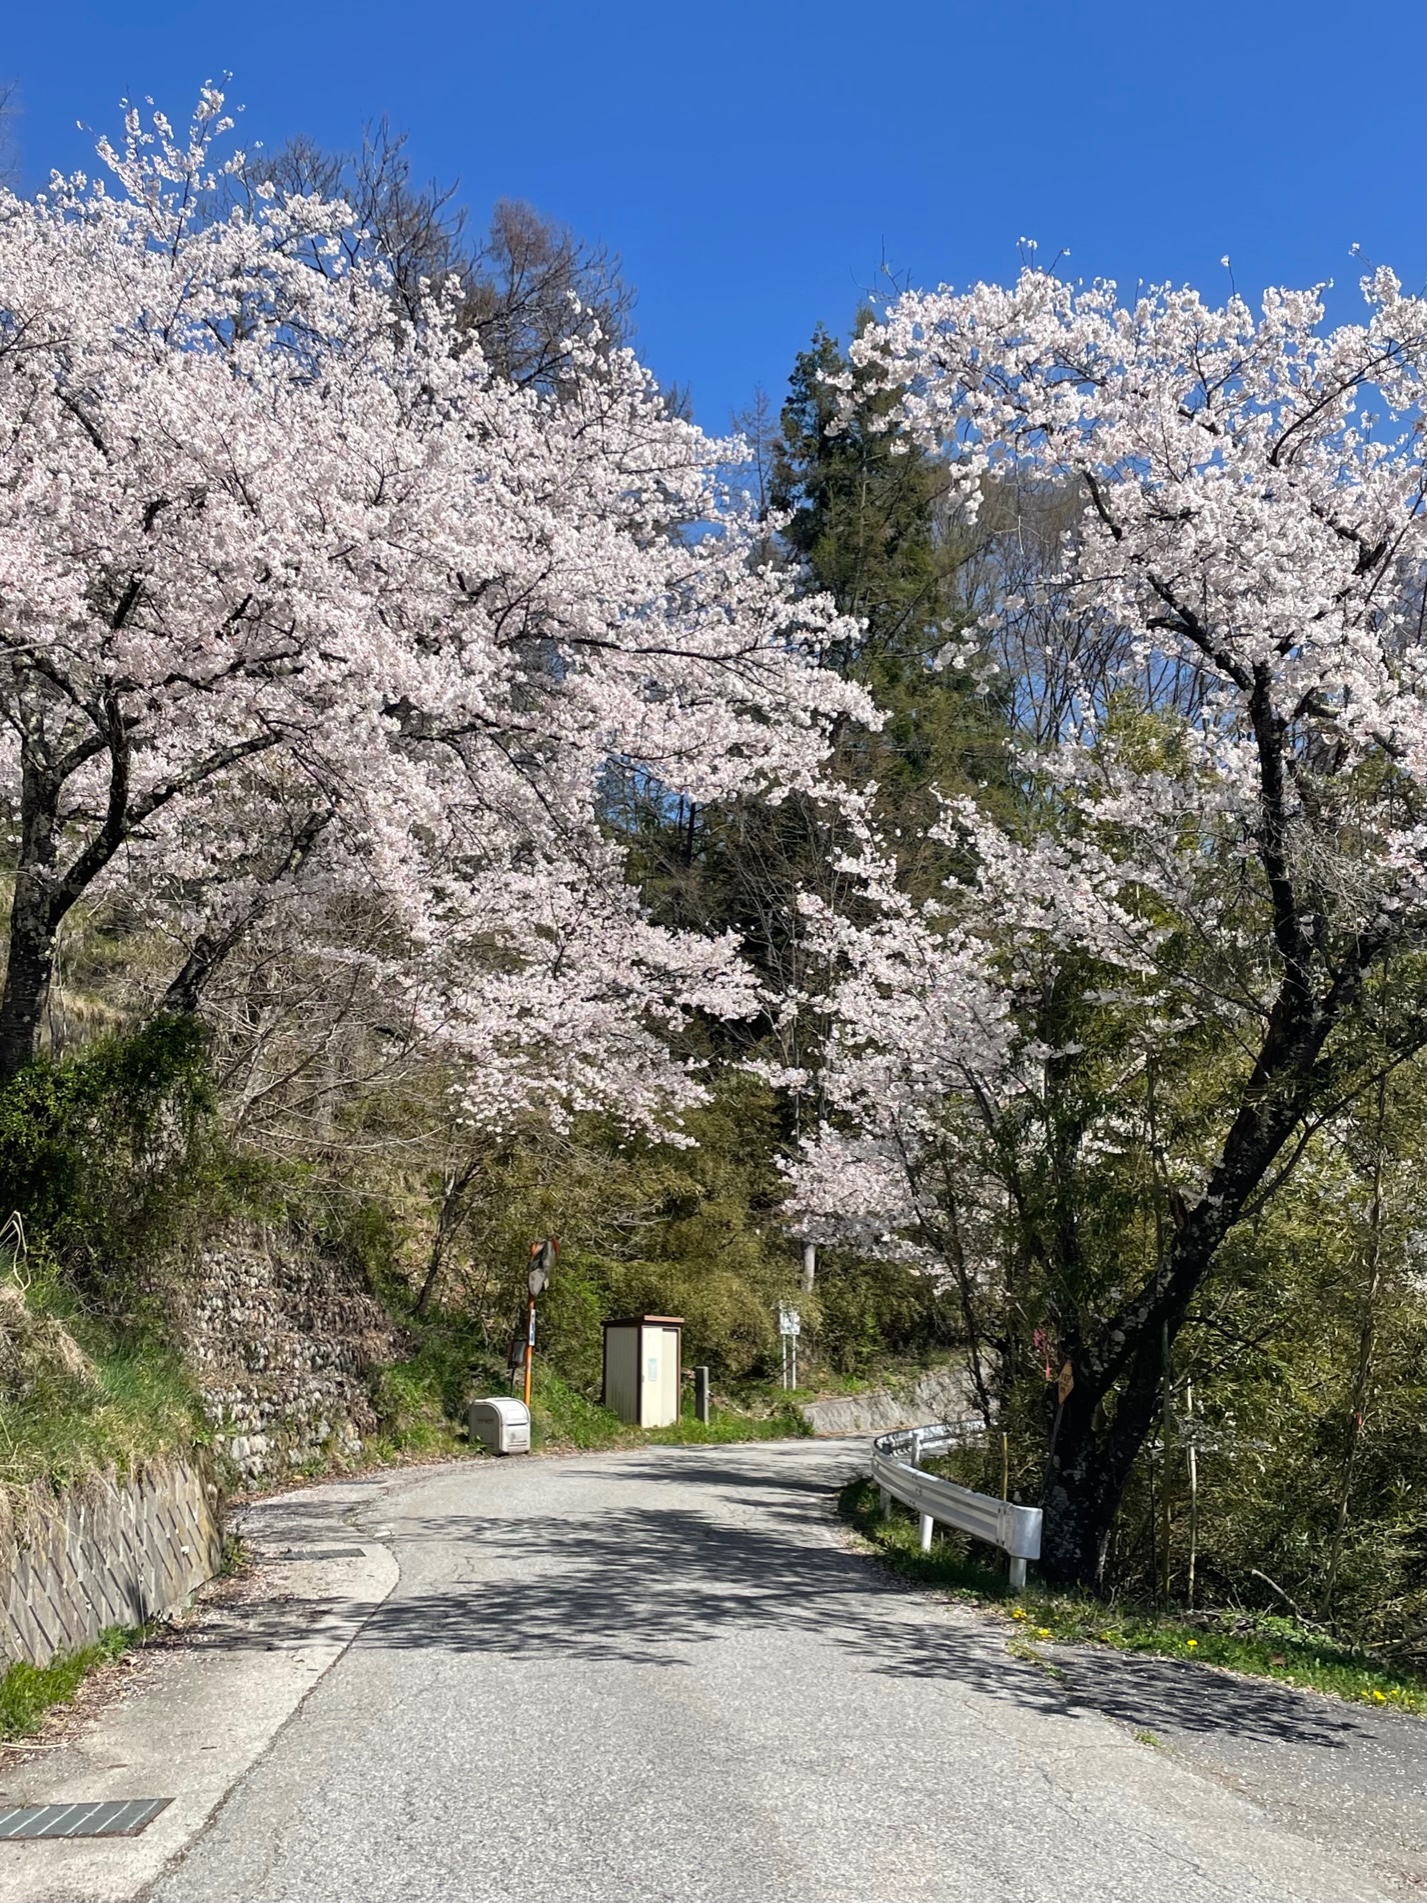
point(189, 1725)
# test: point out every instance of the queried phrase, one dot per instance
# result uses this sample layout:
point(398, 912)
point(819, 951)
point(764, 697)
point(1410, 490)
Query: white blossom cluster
point(1233, 809)
point(300, 603)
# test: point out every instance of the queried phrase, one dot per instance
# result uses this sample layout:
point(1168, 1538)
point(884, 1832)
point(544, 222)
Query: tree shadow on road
point(649, 1586)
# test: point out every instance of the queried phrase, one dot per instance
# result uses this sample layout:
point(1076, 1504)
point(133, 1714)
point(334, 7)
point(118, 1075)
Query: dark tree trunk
point(45, 891)
point(35, 911)
point(1089, 1467)
point(28, 971)
point(1103, 1423)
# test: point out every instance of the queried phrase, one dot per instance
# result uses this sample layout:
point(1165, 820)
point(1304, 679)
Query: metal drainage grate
point(125, 1818)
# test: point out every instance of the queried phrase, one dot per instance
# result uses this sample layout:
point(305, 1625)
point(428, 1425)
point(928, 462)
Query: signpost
point(537, 1280)
point(790, 1326)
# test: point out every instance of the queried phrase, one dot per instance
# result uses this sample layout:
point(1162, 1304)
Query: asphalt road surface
point(664, 1675)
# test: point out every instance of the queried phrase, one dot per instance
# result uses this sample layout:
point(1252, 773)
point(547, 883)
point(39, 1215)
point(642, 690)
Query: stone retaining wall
point(106, 1552)
point(284, 1339)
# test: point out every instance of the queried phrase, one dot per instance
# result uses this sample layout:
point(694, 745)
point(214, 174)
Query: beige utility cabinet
point(641, 1369)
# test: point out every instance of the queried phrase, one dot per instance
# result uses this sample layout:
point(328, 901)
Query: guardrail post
point(1016, 1529)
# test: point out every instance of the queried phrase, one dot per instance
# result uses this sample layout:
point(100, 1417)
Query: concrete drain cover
point(122, 1819)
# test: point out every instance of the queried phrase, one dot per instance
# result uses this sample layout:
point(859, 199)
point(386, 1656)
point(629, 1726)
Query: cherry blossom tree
point(302, 604)
point(1220, 849)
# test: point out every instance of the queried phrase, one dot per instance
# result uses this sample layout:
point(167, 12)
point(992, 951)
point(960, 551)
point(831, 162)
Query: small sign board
point(1065, 1383)
point(542, 1265)
point(790, 1322)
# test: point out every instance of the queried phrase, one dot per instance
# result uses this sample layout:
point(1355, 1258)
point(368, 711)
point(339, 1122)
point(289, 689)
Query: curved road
point(663, 1675)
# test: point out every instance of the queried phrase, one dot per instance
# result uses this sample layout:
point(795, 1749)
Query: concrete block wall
point(105, 1552)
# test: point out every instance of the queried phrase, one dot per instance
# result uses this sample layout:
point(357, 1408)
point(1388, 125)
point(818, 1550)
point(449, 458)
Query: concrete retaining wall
point(940, 1394)
point(104, 1553)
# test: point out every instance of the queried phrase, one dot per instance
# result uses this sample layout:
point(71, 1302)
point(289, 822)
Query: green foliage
point(862, 507)
point(643, 1226)
point(92, 1145)
point(563, 1415)
point(1257, 1643)
point(421, 1405)
point(868, 513)
point(663, 1229)
point(874, 1317)
point(417, 1407)
point(27, 1692)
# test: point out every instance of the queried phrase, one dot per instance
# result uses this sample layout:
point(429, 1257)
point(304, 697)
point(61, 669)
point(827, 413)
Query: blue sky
point(754, 161)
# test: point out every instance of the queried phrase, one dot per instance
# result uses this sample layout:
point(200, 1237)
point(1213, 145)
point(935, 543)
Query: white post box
point(501, 1424)
point(641, 1369)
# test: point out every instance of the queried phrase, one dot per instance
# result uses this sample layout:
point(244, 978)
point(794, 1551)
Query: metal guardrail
point(1015, 1529)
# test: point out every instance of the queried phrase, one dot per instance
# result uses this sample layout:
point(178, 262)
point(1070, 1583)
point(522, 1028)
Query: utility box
point(641, 1369)
point(500, 1424)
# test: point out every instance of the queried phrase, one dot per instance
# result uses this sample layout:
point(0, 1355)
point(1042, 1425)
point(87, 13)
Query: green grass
point(27, 1692)
point(727, 1424)
point(1260, 1644)
point(561, 1416)
point(140, 1404)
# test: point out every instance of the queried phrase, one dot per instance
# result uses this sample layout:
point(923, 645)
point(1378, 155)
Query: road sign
point(1065, 1384)
point(790, 1326)
point(542, 1265)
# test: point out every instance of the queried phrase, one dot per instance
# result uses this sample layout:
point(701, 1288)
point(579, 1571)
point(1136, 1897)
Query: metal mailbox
point(641, 1369)
point(501, 1424)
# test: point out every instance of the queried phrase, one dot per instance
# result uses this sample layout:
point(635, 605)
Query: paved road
point(662, 1677)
